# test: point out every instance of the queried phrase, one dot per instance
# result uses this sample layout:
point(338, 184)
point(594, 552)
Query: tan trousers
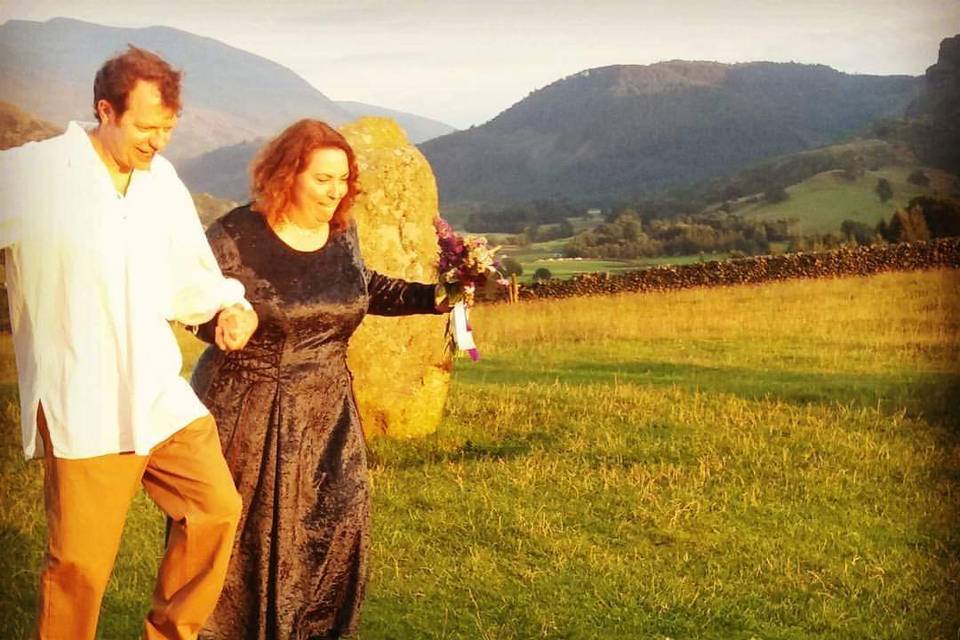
point(86, 503)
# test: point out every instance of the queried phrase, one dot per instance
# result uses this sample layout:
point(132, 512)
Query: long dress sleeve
point(396, 297)
point(390, 296)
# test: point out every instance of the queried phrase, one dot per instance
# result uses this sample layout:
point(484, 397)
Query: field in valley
point(821, 203)
point(779, 461)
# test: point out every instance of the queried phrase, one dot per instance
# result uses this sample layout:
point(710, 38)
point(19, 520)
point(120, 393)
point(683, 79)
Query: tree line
point(630, 236)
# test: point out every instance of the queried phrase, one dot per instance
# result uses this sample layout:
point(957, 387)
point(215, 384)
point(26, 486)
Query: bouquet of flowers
point(465, 264)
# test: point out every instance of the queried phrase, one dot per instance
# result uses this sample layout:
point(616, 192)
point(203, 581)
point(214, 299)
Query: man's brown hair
point(120, 74)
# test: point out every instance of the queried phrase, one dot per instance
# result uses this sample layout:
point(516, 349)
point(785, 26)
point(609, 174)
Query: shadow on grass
point(931, 395)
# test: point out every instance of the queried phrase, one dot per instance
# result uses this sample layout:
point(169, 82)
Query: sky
point(463, 62)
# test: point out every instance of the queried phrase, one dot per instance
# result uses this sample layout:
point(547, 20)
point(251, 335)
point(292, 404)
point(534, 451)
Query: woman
point(284, 405)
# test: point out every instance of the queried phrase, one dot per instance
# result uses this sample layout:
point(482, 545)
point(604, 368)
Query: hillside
point(828, 185)
point(223, 172)
point(936, 112)
point(417, 128)
point(821, 203)
point(17, 127)
point(230, 95)
point(615, 132)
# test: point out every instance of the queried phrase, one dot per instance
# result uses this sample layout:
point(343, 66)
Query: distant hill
point(936, 113)
point(17, 127)
point(619, 131)
point(225, 171)
point(222, 172)
point(230, 95)
point(418, 128)
point(826, 185)
point(211, 208)
point(821, 203)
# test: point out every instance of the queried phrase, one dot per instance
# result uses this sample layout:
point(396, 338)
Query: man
point(103, 249)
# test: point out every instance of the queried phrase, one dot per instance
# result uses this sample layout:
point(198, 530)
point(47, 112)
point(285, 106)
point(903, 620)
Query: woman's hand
point(441, 299)
point(235, 326)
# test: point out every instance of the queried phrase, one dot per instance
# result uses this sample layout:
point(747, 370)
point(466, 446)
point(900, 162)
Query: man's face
point(143, 129)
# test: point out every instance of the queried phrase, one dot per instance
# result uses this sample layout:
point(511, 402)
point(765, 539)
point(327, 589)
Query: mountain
point(230, 95)
point(619, 131)
point(225, 171)
point(222, 172)
point(17, 127)
point(935, 115)
point(418, 128)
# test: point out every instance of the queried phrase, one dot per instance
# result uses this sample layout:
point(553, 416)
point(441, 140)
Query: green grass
point(546, 254)
point(749, 462)
point(821, 203)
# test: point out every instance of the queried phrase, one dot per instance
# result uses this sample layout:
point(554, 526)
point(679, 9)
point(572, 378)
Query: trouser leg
point(86, 504)
point(189, 480)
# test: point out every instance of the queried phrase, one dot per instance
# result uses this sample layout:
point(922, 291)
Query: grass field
point(544, 254)
point(776, 462)
point(821, 203)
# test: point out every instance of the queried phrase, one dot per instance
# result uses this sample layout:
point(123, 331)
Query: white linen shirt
point(93, 280)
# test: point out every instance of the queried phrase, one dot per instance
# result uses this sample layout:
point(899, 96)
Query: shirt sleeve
point(19, 187)
point(199, 288)
point(228, 258)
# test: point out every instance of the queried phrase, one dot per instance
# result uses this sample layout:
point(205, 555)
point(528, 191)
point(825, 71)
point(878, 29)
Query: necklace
point(302, 238)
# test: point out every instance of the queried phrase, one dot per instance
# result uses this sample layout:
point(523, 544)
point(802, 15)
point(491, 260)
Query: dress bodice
point(309, 303)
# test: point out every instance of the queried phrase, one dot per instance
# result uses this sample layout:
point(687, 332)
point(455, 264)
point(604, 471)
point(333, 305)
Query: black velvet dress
point(291, 433)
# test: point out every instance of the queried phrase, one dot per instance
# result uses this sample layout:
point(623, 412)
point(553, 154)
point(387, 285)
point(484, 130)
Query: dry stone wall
point(853, 261)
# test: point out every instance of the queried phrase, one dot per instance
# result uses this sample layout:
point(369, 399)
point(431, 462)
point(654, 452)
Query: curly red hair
point(275, 169)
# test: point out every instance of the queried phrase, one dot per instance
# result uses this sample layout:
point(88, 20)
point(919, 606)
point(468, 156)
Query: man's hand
point(235, 325)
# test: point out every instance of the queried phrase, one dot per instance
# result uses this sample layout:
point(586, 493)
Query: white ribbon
point(462, 335)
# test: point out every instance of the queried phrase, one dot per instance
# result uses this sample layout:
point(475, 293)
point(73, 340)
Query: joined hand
point(235, 325)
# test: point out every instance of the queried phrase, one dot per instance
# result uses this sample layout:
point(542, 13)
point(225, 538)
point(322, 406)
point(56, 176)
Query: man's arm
point(200, 290)
point(19, 187)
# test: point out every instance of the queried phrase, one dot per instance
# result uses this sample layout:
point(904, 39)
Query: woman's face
point(321, 186)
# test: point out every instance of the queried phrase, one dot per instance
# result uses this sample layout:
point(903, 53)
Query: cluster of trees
point(924, 218)
point(523, 218)
point(629, 236)
point(677, 202)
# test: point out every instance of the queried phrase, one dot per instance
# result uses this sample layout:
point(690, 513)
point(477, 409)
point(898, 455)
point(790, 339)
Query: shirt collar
point(82, 153)
point(80, 147)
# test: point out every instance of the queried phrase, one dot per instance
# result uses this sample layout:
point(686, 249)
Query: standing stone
point(400, 366)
